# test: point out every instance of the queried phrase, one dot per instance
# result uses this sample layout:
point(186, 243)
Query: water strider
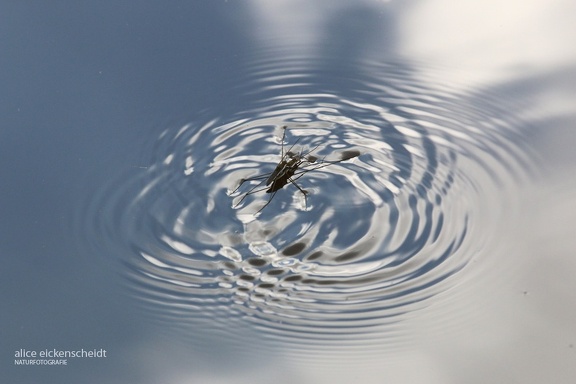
point(289, 169)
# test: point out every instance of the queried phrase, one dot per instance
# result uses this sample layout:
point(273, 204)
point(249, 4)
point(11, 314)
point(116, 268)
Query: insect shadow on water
point(291, 167)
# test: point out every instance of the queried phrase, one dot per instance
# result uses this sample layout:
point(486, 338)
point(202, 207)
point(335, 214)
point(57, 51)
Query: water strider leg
point(282, 142)
point(304, 192)
point(249, 193)
point(242, 181)
point(323, 163)
point(268, 202)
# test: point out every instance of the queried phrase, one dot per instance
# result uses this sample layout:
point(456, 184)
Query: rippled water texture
point(375, 236)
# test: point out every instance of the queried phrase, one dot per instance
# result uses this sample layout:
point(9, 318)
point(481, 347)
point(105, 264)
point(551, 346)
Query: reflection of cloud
point(512, 319)
point(303, 25)
point(491, 36)
point(521, 324)
point(482, 41)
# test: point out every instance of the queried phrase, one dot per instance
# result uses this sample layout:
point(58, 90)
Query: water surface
point(441, 253)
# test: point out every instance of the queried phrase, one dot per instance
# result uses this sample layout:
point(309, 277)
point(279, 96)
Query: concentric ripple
point(375, 236)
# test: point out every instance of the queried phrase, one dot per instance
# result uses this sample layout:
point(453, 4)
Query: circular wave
point(373, 237)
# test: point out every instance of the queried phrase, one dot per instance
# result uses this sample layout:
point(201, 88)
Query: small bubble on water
point(286, 262)
point(262, 248)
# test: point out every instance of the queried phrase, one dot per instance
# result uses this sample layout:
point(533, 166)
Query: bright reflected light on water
point(442, 250)
point(495, 41)
point(290, 191)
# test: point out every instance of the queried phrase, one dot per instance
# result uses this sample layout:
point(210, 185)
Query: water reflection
point(86, 85)
point(376, 236)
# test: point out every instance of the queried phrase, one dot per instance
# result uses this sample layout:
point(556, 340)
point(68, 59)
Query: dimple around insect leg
point(304, 192)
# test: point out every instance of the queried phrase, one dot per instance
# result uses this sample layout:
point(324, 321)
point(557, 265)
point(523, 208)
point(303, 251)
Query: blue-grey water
point(424, 238)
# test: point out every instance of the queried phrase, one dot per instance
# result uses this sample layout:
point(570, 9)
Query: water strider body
point(291, 167)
